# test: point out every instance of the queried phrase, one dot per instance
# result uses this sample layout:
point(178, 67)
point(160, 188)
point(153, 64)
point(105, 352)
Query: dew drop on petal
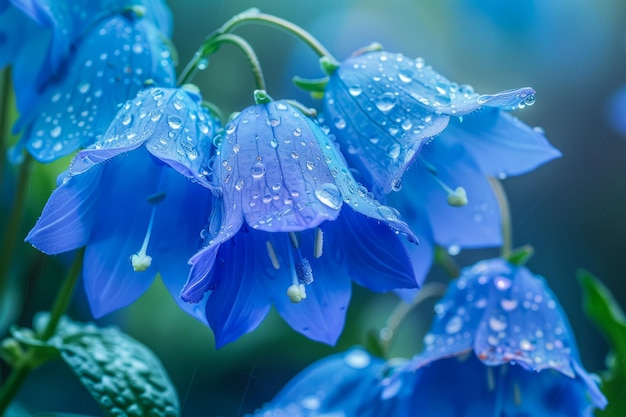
point(127, 119)
point(257, 170)
point(502, 283)
point(385, 102)
point(454, 325)
point(508, 305)
point(56, 132)
point(355, 90)
point(496, 324)
point(357, 359)
point(174, 122)
point(329, 195)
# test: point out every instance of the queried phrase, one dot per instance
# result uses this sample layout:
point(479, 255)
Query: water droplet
point(274, 143)
point(502, 283)
point(297, 132)
point(83, 88)
point(508, 305)
point(405, 76)
point(310, 402)
point(355, 90)
point(56, 97)
point(202, 64)
point(178, 105)
point(281, 106)
point(56, 132)
point(175, 122)
point(388, 213)
point(236, 147)
point(137, 48)
point(310, 165)
point(454, 250)
point(340, 122)
point(454, 325)
point(357, 359)
point(396, 184)
point(496, 324)
point(420, 63)
point(329, 195)
point(525, 344)
point(157, 94)
point(295, 155)
point(385, 102)
point(257, 170)
point(155, 115)
point(273, 120)
point(230, 128)
point(394, 151)
point(127, 119)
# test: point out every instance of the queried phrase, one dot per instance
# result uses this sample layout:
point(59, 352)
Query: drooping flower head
point(134, 199)
point(394, 114)
point(290, 213)
point(502, 334)
point(79, 64)
point(500, 346)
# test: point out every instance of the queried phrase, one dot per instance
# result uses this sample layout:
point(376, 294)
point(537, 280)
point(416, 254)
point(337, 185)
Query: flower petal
point(474, 225)
point(239, 301)
point(174, 125)
point(321, 315)
point(179, 219)
point(68, 217)
point(335, 385)
point(86, 109)
point(123, 214)
point(376, 258)
point(500, 143)
point(270, 159)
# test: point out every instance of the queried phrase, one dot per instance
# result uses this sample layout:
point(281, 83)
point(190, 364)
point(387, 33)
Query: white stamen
point(456, 197)
point(141, 260)
point(272, 254)
point(296, 293)
point(294, 240)
point(318, 246)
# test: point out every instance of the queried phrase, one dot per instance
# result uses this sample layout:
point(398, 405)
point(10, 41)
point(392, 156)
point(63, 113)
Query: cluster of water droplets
point(170, 122)
point(505, 314)
point(110, 66)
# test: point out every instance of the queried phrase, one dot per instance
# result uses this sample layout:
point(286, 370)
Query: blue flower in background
point(70, 56)
point(390, 113)
point(336, 384)
point(384, 106)
point(139, 193)
point(501, 334)
point(500, 346)
point(617, 111)
point(280, 223)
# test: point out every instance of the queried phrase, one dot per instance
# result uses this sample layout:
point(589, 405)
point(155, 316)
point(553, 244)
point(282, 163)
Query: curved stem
point(247, 50)
point(13, 222)
point(30, 360)
point(251, 16)
point(433, 289)
point(505, 215)
point(445, 261)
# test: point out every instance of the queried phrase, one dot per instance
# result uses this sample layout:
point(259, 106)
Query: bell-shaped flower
point(82, 62)
point(135, 200)
point(291, 223)
point(500, 333)
point(499, 346)
point(383, 107)
point(389, 112)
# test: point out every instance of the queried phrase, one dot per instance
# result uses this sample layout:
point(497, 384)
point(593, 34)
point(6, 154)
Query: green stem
point(433, 289)
point(5, 115)
point(13, 224)
point(252, 16)
point(505, 215)
point(30, 360)
point(445, 261)
point(247, 50)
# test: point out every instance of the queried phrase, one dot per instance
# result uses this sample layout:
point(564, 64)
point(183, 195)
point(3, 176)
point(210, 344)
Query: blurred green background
point(572, 53)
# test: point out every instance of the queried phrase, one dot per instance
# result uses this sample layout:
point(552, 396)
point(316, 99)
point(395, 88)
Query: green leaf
point(602, 308)
point(120, 373)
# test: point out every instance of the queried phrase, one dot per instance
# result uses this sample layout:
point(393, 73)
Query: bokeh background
point(572, 210)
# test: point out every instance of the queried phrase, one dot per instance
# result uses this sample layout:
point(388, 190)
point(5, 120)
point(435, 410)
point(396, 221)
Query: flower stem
point(433, 289)
point(13, 224)
point(251, 16)
point(31, 359)
point(445, 261)
point(505, 215)
point(247, 50)
point(5, 107)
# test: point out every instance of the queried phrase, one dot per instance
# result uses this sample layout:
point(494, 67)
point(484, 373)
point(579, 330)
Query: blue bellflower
point(74, 54)
point(500, 346)
point(135, 194)
point(391, 112)
point(499, 333)
point(280, 223)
